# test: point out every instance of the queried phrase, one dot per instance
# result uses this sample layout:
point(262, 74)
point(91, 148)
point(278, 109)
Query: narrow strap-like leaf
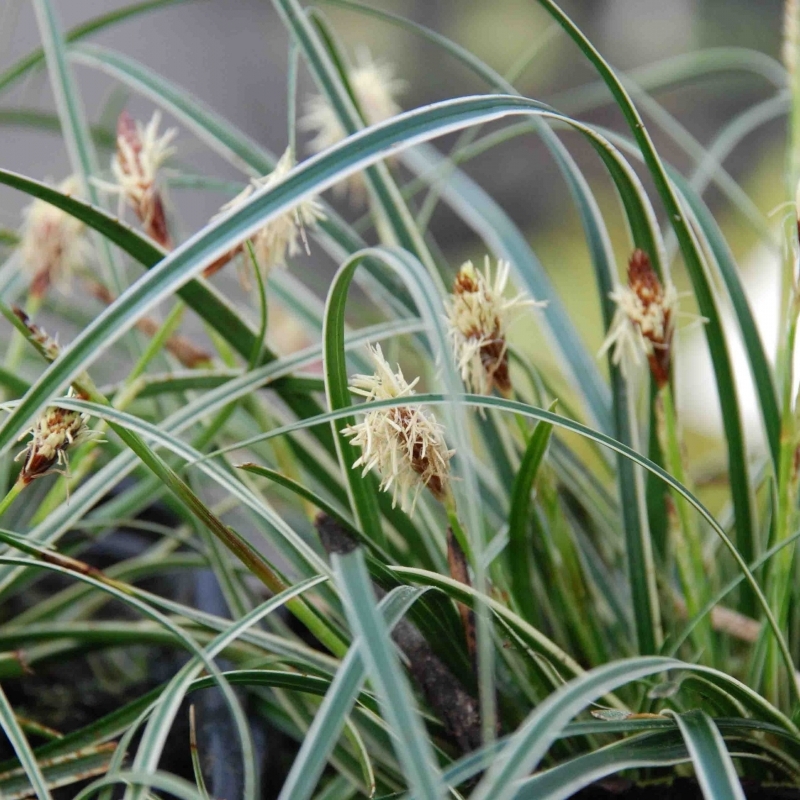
point(712, 762)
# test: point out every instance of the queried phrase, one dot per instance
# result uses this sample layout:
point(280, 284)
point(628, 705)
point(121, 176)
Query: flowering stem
point(15, 347)
point(684, 532)
point(258, 343)
point(237, 545)
point(457, 528)
point(11, 496)
point(780, 584)
point(157, 343)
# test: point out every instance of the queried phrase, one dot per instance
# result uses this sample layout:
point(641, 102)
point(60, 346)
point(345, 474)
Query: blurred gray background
point(232, 54)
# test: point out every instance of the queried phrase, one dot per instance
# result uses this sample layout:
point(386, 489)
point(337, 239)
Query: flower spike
point(644, 322)
point(477, 316)
point(141, 152)
point(405, 444)
point(375, 88)
point(280, 238)
point(53, 243)
point(53, 434)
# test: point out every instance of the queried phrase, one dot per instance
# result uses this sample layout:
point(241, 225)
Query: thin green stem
point(157, 343)
point(685, 533)
point(458, 530)
point(779, 587)
point(258, 342)
point(6, 502)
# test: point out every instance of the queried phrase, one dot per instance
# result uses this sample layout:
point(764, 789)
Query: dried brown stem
point(457, 709)
point(188, 353)
point(459, 571)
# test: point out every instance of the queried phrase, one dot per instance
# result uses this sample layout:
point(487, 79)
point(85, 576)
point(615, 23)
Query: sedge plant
point(447, 564)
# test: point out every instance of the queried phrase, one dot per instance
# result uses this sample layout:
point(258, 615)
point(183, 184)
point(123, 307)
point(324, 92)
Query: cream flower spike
point(141, 152)
point(405, 444)
point(478, 315)
point(375, 87)
point(53, 433)
point(53, 244)
point(280, 238)
point(644, 321)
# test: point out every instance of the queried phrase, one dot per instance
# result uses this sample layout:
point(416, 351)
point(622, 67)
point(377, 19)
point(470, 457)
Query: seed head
point(404, 443)
point(53, 243)
point(280, 238)
point(375, 88)
point(56, 430)
point(644, 321)
point(478, 315)
point(141, 152)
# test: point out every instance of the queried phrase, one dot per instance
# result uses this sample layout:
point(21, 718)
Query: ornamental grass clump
point(436, 511)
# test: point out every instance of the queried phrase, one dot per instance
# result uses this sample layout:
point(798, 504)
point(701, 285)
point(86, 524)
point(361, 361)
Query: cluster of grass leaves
point(580, 589)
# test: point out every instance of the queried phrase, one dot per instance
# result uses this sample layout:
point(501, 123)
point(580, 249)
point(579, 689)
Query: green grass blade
point(299, 490)
point(737, 455)
point(732, 135)
point(18, 740)
point(756, 357)
point(169, 700)
point(242, 151)
point(74, 127)
point(635, 509)
point(330, 81)
point(519, 545)
point(331, 715)
point(362, 489)
point(133, 243)
point(675, 71)
point(410, 741)
point(530, 742)
point(41, 120)
point(163, 781)
point(618, 447)
point(663, 749)
point(74, 768)
point(568, 777)
point(116, 722)
point(534, 639)
point(712, 762)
